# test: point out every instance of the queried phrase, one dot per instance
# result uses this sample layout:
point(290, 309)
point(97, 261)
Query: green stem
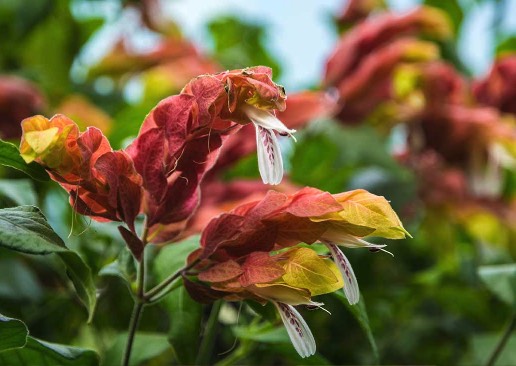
point(138, 305)
point(206, 347)
point(133, 325)
point(155, 292)
point(503, 341)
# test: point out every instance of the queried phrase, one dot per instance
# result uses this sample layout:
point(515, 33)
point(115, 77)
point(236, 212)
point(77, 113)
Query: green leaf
point(185, 313)
point(17, 192)
point(482, 345)
point(501, 280)
point(81, 277)
point(360, 313)
point(37, 352)
point(13, 333)
point(146, 346)
point(123, 267)
point(173, 257)
point(26, 230)
point(506, 46)
point(185, 326)
point(10, 156)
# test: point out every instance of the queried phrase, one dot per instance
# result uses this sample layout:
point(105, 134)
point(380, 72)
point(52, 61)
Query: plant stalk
point(133, 325)
point(150, 296)
point(503, 341)
point(203, 358)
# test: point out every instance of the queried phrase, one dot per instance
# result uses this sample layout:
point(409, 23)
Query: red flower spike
point(378, 32)
point(102, 183)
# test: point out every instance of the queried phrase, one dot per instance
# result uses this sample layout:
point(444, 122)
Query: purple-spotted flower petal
point(270, 162)
point(298, 331)
point(351, 285)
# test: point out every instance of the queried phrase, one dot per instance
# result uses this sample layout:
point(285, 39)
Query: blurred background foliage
point(445, 298)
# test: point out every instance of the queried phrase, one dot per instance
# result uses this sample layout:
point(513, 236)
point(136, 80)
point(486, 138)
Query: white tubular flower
point(297, 329)
point(270, 162)
point(350, 281)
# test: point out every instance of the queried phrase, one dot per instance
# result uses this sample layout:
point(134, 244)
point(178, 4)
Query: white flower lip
point(297, 329)
point(270, 162)
point(350, 281)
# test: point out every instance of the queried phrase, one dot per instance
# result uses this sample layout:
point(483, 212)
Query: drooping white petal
point(350, 281)
point(350, 241)
point(298, 331)
point(267, 120)
point(270, 162)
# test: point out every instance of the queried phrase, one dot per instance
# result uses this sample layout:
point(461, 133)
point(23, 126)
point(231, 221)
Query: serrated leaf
point(13, 333)
point(10, 156)
point(25, 229)
point(501, 280)
point(360, 313)
point(37, 352)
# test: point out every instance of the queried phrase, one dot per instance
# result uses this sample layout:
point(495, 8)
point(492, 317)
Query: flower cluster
point(251, 253)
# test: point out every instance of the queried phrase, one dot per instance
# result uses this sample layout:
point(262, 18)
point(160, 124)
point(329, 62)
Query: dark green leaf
point(185, 313)
point(501, 280)
point(10, 156)
point(360, 313)
point(80, 275)
point(37, 352)
point(26, 230)
point(146, 346)
point(185, 326)
point(13, 333)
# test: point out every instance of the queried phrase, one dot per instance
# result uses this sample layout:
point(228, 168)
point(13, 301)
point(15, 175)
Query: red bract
point(498, 89)
point(180, 140)
point(370, 83)
point(307, 106)
point(102, 183)
point(356, 11)
point(378, 32)
point(281, 220)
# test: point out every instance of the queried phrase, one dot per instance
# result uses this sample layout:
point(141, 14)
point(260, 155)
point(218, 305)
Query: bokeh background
point(413, 100)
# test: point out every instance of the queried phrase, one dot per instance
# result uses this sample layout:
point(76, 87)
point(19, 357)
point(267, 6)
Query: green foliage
point(239, 44)
point(18, 348)
point(26, 230)
point(13, 333)
point(147, 346)
point(10, 156)
point(360, 313)
point(501, 280)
